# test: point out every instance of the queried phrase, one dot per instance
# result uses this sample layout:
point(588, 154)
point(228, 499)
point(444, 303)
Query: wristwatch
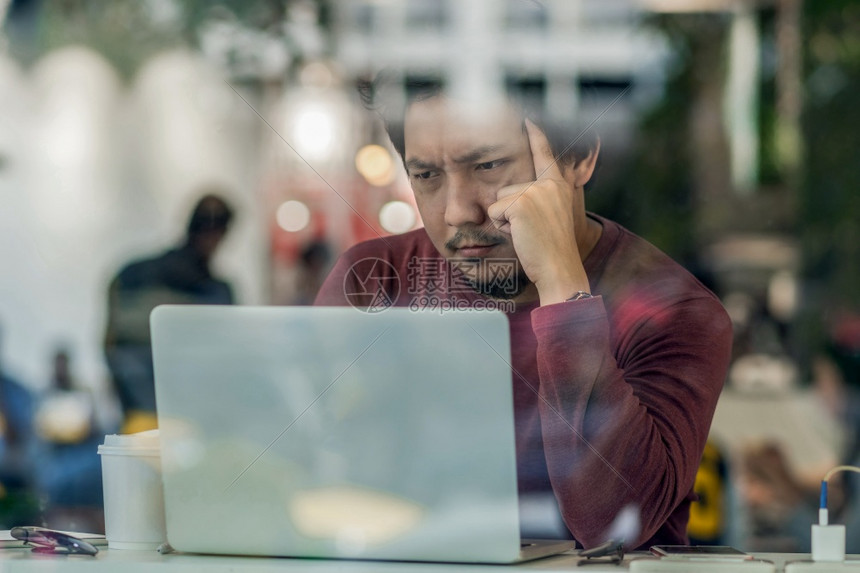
point(578, 295)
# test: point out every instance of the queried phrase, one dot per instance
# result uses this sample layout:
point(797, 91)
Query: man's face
point(457, 160)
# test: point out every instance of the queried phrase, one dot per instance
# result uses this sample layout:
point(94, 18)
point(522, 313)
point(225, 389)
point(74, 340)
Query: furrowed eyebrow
point(418, 165)
point(479, 153)
point(473, 156)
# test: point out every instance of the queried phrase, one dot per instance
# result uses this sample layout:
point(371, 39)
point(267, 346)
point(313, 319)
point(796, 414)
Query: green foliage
point(18, 507)
point(830, 198)
point(123, 32)
point(129, 32)
point(770, 168)
point(655, 196)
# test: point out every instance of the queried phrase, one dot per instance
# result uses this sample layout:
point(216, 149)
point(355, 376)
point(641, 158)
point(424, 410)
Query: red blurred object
point(846, 331)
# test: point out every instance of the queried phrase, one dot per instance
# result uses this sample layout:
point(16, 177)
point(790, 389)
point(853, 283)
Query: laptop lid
point(329, 432)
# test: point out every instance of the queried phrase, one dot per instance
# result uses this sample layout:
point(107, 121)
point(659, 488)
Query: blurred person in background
point(181, 275)
point(68, 472)
point(66, 412)
point(781, 505)
point(313, 265)
point(777, 508)
point(17, 496)
point(618, 353)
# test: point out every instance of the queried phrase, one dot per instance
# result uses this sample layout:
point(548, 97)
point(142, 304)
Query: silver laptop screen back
point(328, 432)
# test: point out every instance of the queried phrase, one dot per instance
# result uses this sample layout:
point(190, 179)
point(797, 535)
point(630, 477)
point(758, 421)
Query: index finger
point(546, 166)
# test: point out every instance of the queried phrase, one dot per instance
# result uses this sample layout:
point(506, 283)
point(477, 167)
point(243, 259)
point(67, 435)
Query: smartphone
point(699, 552)
point(6, 539)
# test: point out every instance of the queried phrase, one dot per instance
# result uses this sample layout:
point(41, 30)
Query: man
point(179, 276)
point(618, 354)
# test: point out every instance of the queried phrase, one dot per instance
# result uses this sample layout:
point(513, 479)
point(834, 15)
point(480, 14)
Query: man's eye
point(487, 165)
point(423, 175)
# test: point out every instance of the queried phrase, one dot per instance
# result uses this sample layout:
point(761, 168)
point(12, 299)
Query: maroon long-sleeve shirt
point(613, 395)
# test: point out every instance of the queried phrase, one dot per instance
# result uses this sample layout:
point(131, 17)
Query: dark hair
point(211, 213)
point(390, 97)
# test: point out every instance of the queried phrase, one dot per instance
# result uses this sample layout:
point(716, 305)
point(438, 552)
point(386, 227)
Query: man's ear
point(581, 171)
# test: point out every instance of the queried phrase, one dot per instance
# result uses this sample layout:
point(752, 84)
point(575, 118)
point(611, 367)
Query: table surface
point(14, 560)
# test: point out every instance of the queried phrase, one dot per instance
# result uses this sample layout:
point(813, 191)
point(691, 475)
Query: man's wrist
point(561, 283)
point(563, 293)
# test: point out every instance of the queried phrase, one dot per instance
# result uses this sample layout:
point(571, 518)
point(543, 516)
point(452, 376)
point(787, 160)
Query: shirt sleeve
point(626, 407)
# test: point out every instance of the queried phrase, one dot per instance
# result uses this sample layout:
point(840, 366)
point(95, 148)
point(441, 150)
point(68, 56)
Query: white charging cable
point(828, 541)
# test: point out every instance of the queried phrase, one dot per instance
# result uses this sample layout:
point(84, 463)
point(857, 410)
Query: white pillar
point(741, 100)
point(476, 74)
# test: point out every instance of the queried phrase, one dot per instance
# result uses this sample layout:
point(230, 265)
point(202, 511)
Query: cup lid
point(140, 441)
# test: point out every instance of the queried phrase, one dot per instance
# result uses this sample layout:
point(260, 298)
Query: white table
point(24, 561)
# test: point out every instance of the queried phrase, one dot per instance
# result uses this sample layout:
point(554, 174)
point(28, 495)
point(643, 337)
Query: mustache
point(473, 236)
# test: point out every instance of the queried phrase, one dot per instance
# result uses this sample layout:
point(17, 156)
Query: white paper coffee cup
point(133, 496)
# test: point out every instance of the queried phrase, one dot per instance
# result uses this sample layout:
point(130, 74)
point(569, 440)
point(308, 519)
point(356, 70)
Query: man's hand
point(539, 216)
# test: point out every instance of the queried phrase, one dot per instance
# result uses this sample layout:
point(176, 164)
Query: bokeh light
point(293, 216)
point(397, 217)
point(313, 132)
point(375, 164)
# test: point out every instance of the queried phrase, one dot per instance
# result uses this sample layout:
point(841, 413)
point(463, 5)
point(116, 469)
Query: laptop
point(335, 433)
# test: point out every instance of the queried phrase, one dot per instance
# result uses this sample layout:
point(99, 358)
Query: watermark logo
point(436, 304)
point(371, 285)
point(497, 278)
